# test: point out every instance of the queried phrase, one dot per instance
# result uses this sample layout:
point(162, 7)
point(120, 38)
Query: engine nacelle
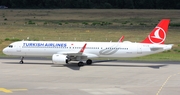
point(59, 59)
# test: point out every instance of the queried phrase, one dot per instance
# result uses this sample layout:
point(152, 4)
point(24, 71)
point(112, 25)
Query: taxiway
point(41, 77)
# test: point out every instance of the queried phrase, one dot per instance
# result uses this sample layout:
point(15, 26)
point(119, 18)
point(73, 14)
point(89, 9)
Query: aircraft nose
point(5, 51)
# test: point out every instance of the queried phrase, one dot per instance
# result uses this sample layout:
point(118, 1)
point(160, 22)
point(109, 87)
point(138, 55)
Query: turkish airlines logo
point(158, 36)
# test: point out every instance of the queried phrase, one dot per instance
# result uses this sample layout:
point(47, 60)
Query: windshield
point(10, 46)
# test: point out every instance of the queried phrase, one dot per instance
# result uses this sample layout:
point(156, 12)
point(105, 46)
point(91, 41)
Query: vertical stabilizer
point(158, 34)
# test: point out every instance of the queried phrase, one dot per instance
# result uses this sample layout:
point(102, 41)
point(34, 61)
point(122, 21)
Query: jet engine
point(59, 59)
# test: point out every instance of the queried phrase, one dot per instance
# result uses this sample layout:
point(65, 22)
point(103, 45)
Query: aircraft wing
point(80, 53)
point(89, 55)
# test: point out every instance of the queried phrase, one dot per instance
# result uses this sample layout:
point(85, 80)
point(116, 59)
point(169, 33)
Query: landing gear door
point(139, 49)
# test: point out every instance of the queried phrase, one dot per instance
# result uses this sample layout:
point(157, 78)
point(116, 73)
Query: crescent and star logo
point(158, 36)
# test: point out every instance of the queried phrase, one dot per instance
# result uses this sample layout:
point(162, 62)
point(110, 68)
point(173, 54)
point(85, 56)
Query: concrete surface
point(40, 77)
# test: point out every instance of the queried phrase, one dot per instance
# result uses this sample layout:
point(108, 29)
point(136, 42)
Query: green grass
point(89, 25)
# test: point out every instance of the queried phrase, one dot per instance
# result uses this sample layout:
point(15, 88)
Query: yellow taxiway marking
point(5, 90)
point(11, 90)
point(18, 89)
point(160, 89)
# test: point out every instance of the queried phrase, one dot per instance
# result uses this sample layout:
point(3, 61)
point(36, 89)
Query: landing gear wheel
point(80, 64)
point(21, 62)
point(89, 62)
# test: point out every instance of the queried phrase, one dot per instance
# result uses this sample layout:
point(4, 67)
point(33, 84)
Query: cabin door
point(139, 49)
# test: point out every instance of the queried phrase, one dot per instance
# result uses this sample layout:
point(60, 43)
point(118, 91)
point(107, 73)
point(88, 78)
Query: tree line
point(92, 4)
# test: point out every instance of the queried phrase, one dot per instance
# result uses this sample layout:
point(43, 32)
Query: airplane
point(64, 52)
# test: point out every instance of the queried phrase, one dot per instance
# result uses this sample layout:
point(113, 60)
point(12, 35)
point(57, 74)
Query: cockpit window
point(10, 46)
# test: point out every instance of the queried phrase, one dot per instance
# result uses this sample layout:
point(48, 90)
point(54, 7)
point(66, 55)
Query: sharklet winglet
point(83, 48)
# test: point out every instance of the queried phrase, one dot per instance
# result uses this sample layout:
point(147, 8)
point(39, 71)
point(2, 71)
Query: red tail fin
point(158, 34)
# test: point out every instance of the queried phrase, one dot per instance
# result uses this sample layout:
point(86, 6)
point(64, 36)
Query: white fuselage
point(93, 49)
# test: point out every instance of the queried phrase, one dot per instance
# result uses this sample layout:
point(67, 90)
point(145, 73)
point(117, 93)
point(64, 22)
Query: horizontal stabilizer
point(156, 48)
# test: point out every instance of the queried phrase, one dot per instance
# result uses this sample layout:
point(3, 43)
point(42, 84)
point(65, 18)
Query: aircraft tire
point(21, 62)
point(89, 62)
point(80, 64)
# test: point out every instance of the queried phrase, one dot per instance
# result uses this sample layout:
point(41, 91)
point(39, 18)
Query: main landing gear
point(21, 62)
point(88, 62)
point(80, 64)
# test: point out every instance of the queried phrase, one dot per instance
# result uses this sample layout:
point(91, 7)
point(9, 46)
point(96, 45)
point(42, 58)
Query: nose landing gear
point(21, 62)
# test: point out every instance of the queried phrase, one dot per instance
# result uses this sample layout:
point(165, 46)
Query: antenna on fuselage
point(27, 38)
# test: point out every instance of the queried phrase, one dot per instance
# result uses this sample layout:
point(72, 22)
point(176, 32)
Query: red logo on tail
point(158, 36)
